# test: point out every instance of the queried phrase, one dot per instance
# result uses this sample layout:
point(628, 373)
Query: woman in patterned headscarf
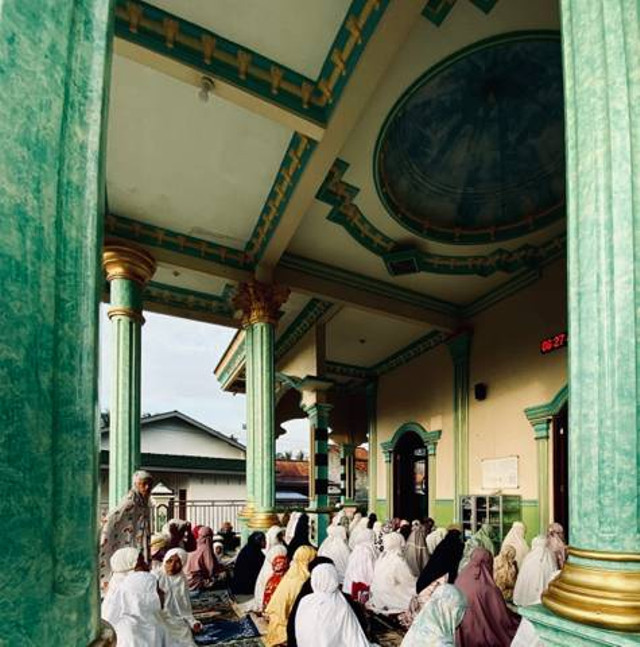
point(279, 566)
point(129, 524)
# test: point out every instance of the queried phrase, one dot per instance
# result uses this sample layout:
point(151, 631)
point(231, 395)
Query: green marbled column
point(541, 429)
point(264, 420)
point(601, 47)
point(348, 472)
point(460, 347)
point(251, 466)
point(431, 478)
point(372, 410)
point(388, 461)
point(54, 70)
point(127, 269)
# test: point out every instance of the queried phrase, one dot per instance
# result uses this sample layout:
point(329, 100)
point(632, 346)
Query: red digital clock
point(553, 343)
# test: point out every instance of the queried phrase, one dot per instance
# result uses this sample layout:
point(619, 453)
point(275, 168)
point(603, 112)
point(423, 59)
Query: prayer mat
point(222, 632)
point(211, 601)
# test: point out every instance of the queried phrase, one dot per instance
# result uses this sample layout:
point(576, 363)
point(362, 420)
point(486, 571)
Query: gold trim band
point(596, 596)
point(263, 520)
point(604, 556)
point(130, 313)
point(126, 261)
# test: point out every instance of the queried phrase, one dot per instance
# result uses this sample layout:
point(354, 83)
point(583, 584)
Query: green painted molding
point(410, 352)
point(346, 213)
point(188, 300)
point(436, 11)
point(291, 170)
point(169, 461)
point(212, 55)
point(238, 358)
point(365, 283)
point(158, 237)
point(543, 412)
point(428, 437)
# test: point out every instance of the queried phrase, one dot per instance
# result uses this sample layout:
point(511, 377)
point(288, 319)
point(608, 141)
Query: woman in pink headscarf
point(487, 620)
point(201, 564)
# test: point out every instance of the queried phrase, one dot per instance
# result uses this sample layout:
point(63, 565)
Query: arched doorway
point(410, 476)
point(561, 468)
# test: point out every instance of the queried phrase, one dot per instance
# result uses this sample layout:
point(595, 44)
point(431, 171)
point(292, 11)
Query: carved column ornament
point(260, 302)
point(126, 261)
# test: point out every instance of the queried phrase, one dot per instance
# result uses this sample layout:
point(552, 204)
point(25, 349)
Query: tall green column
point(245, 515)
point(541, 427)
point(388, 461)
point(431, 478)
point(372, 410)
point(127, 269)
point(260, 304)
point(600, 584)
point(460, 347)
point(54, 69)
point(348, 473)
point(319, 421)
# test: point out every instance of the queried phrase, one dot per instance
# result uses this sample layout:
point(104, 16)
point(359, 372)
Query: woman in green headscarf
point(483, 538)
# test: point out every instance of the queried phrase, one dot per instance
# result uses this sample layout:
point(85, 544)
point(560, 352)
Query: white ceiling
point(382, 336)
point(294, 33)
point(203, 169)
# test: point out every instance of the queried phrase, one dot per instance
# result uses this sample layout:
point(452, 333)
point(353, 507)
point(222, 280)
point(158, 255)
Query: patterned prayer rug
point(224, 632)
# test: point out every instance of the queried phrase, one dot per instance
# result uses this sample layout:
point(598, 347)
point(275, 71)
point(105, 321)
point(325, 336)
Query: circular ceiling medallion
point(473, 152)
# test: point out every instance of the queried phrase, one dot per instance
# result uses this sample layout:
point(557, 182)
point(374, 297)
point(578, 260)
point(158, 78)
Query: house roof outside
point(171, 463)
point(168, 415)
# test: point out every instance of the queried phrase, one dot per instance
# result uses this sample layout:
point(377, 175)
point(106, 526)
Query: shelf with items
point(499, 511)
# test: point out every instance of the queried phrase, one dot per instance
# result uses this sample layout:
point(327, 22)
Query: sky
point(178, 359)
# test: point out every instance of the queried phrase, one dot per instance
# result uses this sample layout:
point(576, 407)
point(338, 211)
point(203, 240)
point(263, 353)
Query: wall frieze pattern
point(340, 195)
point(188, 300)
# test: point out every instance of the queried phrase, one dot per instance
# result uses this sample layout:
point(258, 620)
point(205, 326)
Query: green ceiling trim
point(340, 195)
point(359, 25)
point(231, 367)
point(169, 461)
point(188, 300)
point(436, 11)
point(153, 236)
point(307, 318)
point(291, 169)
point(410, 352)
point(212, 55)
point(366, 284)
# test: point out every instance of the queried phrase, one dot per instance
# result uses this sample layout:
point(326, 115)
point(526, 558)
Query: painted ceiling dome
point(474, 150)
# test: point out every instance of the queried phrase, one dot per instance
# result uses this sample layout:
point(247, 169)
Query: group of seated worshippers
point(147, 581)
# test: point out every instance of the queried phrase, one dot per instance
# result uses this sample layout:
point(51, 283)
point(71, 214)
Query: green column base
point(554, 630)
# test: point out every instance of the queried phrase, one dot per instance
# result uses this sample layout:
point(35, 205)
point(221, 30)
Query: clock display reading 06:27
point(553, 343)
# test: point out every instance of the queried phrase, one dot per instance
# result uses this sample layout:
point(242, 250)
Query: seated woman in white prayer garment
point(538, 569)
point(177, 613)
point(438, 620)
point(324, 618)
point(138, 621)
point(361, 526)
point(123, 562)
point(393, 583)
point(335, 548)
point(359, 572)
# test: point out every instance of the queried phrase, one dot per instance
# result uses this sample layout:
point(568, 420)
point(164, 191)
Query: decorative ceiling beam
point(187, 52)
point(181, 250)
point(391, 32)
point(349, 288)
point(436, 11)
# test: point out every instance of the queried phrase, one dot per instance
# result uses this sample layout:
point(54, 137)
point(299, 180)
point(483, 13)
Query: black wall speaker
point(480, 391)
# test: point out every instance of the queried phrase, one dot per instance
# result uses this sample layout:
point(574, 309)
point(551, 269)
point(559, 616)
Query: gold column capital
point(260, 302)
point(126, 261)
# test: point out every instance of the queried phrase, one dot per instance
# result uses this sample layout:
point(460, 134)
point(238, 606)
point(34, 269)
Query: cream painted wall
point(422, 392)
point(505, 355)
point(303, 359)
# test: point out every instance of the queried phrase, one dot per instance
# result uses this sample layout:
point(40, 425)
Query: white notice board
point(500, 473)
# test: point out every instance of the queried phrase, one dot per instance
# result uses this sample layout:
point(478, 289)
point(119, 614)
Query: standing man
point(127, 525)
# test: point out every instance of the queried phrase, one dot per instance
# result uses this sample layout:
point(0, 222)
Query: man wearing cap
point(128, 525)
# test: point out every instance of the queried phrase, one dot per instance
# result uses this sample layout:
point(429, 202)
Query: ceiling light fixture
point(206, 88)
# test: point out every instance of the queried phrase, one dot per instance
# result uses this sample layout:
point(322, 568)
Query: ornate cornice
point(152, 236)
point(211, 54)
point(345, 212)
point(260, 302)
point(188, 300)
point(302, 324)
point(291, 170)
point(124, 261)
point(436, 11)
